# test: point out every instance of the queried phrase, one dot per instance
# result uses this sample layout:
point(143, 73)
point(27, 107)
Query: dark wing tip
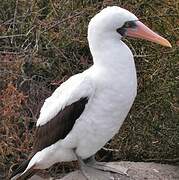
point(20, 169)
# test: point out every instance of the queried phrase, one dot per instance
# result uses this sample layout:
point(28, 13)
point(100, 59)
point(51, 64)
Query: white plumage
point(110, 85)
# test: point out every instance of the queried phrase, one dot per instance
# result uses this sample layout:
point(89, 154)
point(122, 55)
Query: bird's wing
point(61, 110)
point(57, 117)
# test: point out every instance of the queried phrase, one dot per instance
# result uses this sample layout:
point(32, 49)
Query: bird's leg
point(83, 167)
point(91, 173)
point(91, 162)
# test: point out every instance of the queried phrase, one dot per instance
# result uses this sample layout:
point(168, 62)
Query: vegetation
point(44, 42)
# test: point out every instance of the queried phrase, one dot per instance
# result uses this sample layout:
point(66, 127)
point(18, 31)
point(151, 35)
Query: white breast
point(105, 111)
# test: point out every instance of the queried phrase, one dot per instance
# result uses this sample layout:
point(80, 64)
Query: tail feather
point(28, 174)
point(21, 169)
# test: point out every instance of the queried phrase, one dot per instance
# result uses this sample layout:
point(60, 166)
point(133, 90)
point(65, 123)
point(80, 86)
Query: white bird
point(87, 110)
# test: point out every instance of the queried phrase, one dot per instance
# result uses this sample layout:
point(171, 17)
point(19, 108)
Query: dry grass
point(42, 43)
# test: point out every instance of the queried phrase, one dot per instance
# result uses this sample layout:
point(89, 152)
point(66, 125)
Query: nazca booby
point(87, 110)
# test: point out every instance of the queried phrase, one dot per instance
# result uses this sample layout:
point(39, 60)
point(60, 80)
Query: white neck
point(108, 50)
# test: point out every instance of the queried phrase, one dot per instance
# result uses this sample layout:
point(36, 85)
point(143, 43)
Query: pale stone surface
point(136, 171)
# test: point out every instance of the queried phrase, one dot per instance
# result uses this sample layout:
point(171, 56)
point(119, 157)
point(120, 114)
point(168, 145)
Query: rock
point(136, 171)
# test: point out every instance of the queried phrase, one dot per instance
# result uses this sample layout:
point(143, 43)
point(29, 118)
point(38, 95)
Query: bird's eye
point(127, 24)
point(130, 24)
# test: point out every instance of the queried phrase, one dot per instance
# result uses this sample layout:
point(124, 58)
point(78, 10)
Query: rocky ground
point(136, 171)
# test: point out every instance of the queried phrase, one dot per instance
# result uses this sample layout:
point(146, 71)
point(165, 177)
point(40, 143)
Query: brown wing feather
point(54, 130)
point(58, 127)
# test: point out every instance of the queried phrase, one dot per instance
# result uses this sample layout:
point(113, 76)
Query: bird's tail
point(17, 174)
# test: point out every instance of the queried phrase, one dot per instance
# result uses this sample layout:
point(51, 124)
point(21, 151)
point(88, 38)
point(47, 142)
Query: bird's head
point(116, 20)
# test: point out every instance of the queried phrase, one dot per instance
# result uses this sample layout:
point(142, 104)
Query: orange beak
point(143, 32)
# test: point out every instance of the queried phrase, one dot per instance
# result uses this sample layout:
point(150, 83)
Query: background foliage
point(44, 42)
